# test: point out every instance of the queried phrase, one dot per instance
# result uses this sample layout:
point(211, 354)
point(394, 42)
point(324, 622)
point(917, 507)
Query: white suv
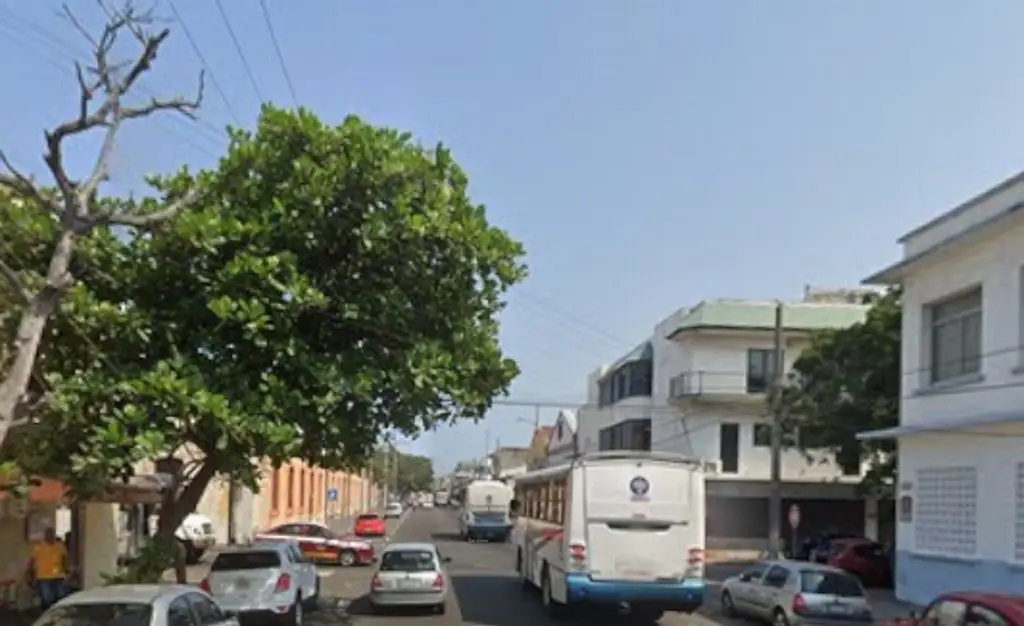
point(268, 581)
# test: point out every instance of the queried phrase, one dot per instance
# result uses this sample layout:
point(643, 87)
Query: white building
point(698, 388)
point(961, 459)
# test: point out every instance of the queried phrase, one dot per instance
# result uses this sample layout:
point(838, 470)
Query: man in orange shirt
point(48, 567)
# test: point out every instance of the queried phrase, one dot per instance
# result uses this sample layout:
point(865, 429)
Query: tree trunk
point(176, 506)
point(30, 331)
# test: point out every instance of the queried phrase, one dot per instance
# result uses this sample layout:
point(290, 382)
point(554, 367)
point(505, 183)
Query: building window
point(291, 487)
point(729, 447)
point(629, 380)
point(634, 434)
point(275, 489)
point(762, 435)
point(955, 327)
point(946, 518)
point(760, 370)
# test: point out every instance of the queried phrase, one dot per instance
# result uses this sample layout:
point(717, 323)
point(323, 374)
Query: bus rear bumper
point(686, 595)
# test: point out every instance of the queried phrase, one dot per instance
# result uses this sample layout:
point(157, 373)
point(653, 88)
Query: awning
point(959, 425)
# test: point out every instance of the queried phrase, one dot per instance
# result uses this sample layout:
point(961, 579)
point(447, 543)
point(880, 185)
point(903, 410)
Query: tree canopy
point(331, 283)
point(405, 473)
point(846, 382)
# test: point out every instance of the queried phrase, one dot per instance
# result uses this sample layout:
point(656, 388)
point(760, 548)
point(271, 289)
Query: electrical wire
point(202, 61)
point(277, 51)
point(238, 49)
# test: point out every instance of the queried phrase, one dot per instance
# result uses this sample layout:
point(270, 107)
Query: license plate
point(408, 584)
point(242, 583)
point(837, 609)
point(636, 573)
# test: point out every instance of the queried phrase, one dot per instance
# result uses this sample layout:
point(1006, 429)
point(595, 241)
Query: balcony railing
point(706, 383)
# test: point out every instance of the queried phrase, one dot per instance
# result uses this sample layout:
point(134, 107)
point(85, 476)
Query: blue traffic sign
point(332, 495)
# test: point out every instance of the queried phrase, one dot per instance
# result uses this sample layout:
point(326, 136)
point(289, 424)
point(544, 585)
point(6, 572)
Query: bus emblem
point(639, 486)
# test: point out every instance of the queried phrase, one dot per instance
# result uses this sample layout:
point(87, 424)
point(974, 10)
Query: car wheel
point(312, 602)
point(347, 558)
point(727, 606)
point(295, 615)
point(191, 554)
point(779, 618)
point(439, 609)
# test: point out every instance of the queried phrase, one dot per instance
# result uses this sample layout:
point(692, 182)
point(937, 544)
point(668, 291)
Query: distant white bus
point(486, 511)
point(620, 528)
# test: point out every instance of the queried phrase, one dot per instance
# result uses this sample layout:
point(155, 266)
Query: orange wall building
point(298, 492)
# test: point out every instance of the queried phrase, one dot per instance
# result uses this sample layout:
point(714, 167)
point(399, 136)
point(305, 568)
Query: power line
point(202, 61)
point(277, 51)
point(238, 49)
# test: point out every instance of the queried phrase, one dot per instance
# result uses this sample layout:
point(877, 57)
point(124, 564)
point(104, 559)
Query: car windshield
point(407, 561)
point(367, 518)
point(252, 559)
point(105, 614)
point(830, 583)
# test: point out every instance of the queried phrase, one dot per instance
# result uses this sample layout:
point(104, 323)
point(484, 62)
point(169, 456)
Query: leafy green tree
point(32, 293)
point(405, 473)
point(330, 285)
point(847, 382)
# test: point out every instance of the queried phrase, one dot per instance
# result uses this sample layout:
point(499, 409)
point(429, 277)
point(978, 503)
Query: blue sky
point(648, 154)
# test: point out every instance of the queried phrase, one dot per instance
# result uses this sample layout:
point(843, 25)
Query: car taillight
point(376, 583)
point(577, 556)
point(438, 581)
point(799, 604)
point(284, 583)
point(205, 585)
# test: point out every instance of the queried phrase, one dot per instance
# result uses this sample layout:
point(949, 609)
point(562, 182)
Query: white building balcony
point(717, 386)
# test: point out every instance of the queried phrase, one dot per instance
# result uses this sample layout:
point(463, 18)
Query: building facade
point(961, 463)
point(699, 387)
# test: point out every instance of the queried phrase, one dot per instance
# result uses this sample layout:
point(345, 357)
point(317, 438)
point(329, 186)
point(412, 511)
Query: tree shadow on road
point(491, 600)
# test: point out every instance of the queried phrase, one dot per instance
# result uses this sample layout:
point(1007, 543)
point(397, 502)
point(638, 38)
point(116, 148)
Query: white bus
point(486, 511)
point(623, 529)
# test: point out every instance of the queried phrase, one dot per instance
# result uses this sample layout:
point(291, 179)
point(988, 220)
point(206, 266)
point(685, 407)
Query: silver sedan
point(137, 605)
point(410, 575)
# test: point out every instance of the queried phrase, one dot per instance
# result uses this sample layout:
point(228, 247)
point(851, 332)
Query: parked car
point(394, 510)
point(269, 581)
point(410, 575)
point(792, 592)
point(321, 544)
point(867, 560)
point(370, 525)
point(138, 605)
point(968, 607)
point(816, 547)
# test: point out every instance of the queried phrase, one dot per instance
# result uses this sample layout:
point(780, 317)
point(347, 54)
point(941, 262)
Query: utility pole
point(536, 418)
point(386, 478)
point(775, 406)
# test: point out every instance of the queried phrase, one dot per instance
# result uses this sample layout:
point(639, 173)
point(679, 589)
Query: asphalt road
point(486, 589)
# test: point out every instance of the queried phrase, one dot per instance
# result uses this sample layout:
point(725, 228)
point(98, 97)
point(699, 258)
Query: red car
point(321, 544)
point(370, 525)
point(866, 559)
point(969, 607)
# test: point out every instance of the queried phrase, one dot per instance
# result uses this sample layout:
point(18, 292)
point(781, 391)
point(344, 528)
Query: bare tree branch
point(23, 186)
point(108, 82)
point(10, 275)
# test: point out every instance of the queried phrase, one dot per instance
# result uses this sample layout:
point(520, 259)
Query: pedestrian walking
point(48, 569)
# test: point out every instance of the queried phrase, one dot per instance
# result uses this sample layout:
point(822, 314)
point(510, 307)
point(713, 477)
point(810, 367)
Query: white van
point(618, 528)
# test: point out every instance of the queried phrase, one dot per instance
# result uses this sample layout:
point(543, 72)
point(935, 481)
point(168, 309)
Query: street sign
point(332, 495)
point(794, 516)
